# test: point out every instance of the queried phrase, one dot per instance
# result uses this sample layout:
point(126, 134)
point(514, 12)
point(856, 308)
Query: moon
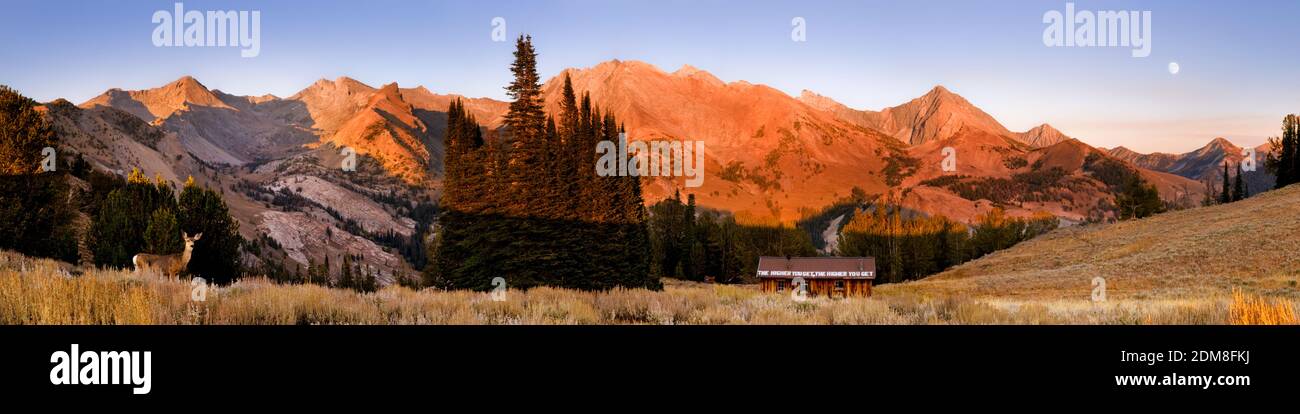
point(1173, 68)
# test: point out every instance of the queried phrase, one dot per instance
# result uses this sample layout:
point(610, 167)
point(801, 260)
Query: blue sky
point(1238, 61)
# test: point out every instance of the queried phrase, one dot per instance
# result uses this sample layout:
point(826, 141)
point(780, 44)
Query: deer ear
point(197, 236)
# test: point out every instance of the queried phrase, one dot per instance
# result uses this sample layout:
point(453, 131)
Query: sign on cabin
point(825, 276)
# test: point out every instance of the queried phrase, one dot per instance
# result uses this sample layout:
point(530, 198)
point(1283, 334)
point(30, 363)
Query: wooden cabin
point(836, 277)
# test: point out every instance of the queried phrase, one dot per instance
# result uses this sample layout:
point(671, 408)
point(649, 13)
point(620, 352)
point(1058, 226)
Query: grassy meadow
point(40, 291)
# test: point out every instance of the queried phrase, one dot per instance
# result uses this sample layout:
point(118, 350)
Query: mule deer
point(169, 265)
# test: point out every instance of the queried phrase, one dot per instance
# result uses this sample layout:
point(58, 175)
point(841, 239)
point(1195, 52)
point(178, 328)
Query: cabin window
point(839, 284)
point(780, 286)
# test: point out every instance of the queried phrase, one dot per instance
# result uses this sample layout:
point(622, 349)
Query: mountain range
point(1205, 164)
point(770, 157)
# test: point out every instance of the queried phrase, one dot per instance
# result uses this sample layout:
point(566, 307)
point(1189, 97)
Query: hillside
point(115, 140)
point(1068, 179)
point(388, 129)
point(276, 162)
point(1250, 243)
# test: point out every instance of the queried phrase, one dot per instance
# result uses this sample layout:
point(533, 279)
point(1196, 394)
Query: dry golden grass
point(1247, 309)
point(1196, 253)
point(37, 291)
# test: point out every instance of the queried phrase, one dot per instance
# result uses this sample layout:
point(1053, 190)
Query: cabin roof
point(817, 267)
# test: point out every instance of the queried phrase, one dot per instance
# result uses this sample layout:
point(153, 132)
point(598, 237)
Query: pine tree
point(327, 270)
point(118, 231)
point(345, 272)
point(1239, 191)
point(894, 256)
point(526, 123)
point(571, 156)
point(313, 272)
point(1286, 169)
point(1284, 161)
point(1138, 199)
point(667, 220)
point(588, 134)
point(525, 117)
point(1210, 189)
point(24, 132)
point(36, 217)
point(453, 151)
point(688, 240)
point(1226, 196)
point(163, 235)
point(942, 247)
point(637, 234)
point(445, 250)
point(730, 263)
point(36, 214)
point(216, 255)
point(1292, 164)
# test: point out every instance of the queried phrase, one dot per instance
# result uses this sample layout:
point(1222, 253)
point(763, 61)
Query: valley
point(770, 159)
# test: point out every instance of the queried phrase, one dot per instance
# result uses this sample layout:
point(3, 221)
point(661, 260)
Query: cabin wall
point(822, 287)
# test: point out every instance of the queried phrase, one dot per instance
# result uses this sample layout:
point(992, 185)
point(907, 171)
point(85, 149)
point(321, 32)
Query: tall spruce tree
point(588, 134)
point(637, 236)
point(1292, 164)
point(1239, 191)
point(572, 156)
point(525, 117)
point(1283, 161)
point(1226, 196)
point(526, 126)
point(464, 205)
point(688, 240)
